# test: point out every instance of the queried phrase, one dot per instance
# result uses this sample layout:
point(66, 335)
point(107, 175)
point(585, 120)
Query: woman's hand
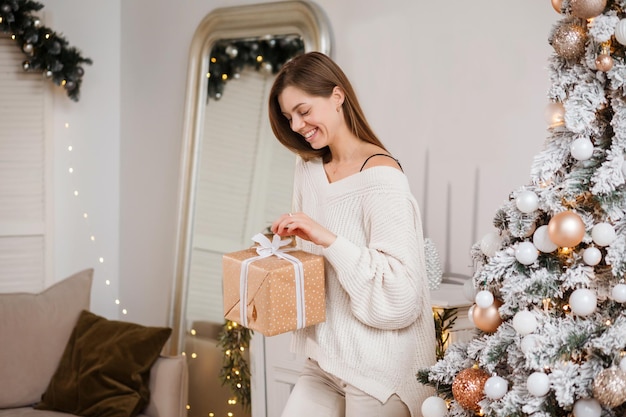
point(302, 226)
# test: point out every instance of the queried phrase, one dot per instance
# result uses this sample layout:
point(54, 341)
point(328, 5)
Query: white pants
point(319, 394)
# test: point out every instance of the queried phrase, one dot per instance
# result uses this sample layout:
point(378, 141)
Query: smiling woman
point(235, 179)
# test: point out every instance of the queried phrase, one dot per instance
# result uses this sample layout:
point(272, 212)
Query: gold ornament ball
point(487, 319)
point(566, 229)
point(609, 387)
point(604, 62)
point(586, 9)
point(557, 4)
point(568, 41)
point(468, 388)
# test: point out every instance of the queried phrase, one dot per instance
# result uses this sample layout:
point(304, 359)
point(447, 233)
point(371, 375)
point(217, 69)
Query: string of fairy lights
point(86, 218)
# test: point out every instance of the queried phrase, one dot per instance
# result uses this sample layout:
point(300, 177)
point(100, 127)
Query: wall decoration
point(46, 51)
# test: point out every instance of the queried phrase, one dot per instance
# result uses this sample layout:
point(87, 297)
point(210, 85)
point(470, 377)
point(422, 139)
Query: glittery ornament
point(586, 9)
point(487, 319)
point(569, 41)
point(604, 62)
point(609, 387)
point(434, 272)
point(468, 388)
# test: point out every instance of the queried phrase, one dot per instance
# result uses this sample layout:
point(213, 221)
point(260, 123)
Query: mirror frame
point(252, 21)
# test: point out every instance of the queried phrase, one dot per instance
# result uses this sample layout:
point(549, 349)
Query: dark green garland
point(235, 342)
point(46, 50)
point(229, 57)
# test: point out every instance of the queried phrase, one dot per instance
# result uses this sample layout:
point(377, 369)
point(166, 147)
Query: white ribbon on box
point(266, 249)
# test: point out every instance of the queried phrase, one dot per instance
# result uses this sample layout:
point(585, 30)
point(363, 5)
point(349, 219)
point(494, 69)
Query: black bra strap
point(380, 154)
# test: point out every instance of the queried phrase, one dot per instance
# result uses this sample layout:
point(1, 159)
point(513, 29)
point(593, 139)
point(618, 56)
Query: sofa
point(58, 359)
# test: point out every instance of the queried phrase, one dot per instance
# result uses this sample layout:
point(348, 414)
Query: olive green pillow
point(105, 368)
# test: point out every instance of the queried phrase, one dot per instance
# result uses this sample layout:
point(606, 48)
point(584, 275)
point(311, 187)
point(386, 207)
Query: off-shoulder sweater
point(379, 328)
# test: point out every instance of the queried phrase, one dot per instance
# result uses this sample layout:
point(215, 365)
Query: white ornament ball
point(592, 256)
point(528, 343)
point(538, 384)
point(583, 302)
point(434, 407)
point(603, 234)
point(490, 243)
point(620, 31)
point(622, 364)
point(542, 241)
point(618, 293)
point(496, 387)
point(470, 314)
point(468, 290)
point(484, 298)
point(527, 201)
point(526, 253)
point(587, 407)
point(524, 322)
point(581, 149)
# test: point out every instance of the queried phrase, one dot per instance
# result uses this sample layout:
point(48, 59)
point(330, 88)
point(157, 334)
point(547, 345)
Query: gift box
point(283, 288)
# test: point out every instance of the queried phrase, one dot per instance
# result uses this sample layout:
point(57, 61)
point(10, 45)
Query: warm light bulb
point(259, 58)
point(238, 385)
point(193, 332)
point(208, 75)
point(117, 301)
point(47, 36)
point(227, 352)
point(71, 170)
point(93, 238)
point(101, 260)
point(224, 77)
point(194, 355)
point(188, 407)
point(76, 193)
point(67, 125)
point(213, 60)
point(241, 348)
point(69, 148)
point(124, 311)
point(608, 322)
point(107, 282)
point(13, 37)
point(230, 414)
point(85, 215)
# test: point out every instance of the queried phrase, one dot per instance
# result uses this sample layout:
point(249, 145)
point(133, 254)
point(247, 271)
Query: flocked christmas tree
point(549, 281)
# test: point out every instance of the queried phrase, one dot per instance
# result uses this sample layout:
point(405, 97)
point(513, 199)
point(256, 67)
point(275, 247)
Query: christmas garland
point(228, 58)
point(235, 341)
point(46, 51)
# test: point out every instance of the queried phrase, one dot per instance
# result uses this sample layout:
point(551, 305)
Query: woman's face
point(315, 118)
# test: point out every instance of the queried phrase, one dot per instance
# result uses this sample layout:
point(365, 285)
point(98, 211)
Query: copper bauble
point(604, 62)
point(468, 388)
point(609, 387)
point(487, 319)
point(586, 9)
point(566, 229)
point(568, 41)
point(557, 4)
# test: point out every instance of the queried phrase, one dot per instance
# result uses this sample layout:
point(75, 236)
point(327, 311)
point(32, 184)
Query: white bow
point(266, 249)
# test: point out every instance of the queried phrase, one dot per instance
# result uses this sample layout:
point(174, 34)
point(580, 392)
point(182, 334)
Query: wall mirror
point(235, 176)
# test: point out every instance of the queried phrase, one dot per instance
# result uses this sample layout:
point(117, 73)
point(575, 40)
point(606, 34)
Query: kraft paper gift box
point(283, 289)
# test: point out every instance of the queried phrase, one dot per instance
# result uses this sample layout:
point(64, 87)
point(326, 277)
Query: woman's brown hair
point(317, 75)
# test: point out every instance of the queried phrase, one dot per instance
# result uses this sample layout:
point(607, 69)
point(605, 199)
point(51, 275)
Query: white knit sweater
point(379, 328)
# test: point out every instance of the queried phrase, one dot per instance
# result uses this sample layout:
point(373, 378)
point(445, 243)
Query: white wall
point(94, 134)
point(462, 82)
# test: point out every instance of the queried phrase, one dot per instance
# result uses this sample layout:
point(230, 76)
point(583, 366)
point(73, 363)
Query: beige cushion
point(35, 329)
